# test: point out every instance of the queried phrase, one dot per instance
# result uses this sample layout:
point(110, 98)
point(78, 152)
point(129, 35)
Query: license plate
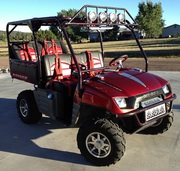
point(155, 112)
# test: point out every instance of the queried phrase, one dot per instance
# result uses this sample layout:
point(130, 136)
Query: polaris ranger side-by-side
point(79, 90)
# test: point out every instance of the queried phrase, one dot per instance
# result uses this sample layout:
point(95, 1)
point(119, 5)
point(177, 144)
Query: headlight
point(121, 102)
point(166, 89)
point(92, 16)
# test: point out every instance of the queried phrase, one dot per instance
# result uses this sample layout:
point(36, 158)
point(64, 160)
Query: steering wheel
point(116, 61)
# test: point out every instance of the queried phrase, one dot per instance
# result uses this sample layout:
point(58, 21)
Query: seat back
point(24, 51)
point(15, 50)
point(96, 61)
point(65, 64)
point(52, 47)
point(48, 65)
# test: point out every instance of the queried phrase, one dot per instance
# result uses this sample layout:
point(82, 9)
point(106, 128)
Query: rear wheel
point(161, 126)
point(27, 108)
point(101, 142)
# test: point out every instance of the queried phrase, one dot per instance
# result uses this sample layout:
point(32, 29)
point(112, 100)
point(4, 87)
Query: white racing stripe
point(133, 78)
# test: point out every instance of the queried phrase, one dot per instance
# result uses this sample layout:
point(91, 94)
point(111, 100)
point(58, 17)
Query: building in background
point(171, 31)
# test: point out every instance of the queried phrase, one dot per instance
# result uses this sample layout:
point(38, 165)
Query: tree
point(74, 32)
point(150, 19)
point(45, 34)
point(2, 36)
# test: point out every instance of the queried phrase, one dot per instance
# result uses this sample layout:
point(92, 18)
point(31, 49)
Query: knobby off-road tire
point(162, 126)
point(101, 142)
point(27, 108)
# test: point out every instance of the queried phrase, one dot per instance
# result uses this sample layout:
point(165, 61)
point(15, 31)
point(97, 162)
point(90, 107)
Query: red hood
point(132, 82)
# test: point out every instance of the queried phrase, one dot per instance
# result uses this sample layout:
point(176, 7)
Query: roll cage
point(88, 16)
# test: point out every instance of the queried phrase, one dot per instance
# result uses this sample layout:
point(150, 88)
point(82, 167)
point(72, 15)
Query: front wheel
point(101, 142)
point(27, 108)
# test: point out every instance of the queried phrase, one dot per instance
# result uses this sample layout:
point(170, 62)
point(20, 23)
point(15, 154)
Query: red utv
point(79, 90)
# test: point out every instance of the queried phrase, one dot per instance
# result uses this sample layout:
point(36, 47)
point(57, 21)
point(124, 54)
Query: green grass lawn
point(158, 48)
point(153, 47)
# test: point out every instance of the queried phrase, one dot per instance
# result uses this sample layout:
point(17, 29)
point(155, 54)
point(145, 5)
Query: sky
point(12, 10)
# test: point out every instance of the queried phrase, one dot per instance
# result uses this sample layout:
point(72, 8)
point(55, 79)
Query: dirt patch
point(155, 64)
point(4, 62)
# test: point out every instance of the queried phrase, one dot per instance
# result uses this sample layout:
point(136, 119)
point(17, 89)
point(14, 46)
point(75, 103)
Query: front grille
point(141, 100)
point(151, 102)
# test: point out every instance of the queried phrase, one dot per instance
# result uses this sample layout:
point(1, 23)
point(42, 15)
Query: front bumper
point(139, 114)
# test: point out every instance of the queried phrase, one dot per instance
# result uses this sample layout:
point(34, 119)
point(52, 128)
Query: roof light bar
point(104, 17)
point(96, 16)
